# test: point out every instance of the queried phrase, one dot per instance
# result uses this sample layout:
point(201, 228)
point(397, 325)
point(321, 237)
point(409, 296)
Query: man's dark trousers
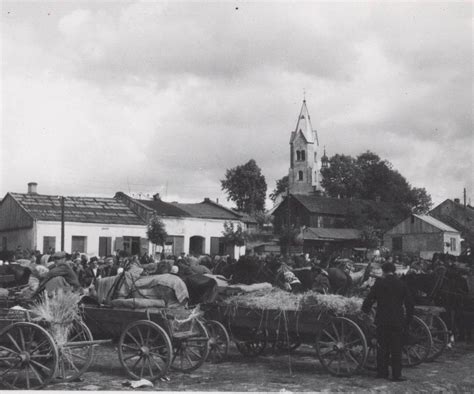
point(389, 350)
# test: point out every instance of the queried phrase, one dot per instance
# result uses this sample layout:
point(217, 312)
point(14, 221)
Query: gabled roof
point(435, 223)
point(208, 210)
point(77, 209)
point(164, 208)
point(335, 234)
point(336, 206)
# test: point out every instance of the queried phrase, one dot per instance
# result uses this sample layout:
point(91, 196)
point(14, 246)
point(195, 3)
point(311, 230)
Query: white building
point(93, 225)
point(192, 228)
point(99, 226)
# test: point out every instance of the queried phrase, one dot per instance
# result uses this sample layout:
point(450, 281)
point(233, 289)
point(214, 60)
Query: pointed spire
point(304, 125)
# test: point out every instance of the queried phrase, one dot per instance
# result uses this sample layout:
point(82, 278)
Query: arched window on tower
point(315, 157)
point(298, 155)
point(303, 155)
point(300, 175)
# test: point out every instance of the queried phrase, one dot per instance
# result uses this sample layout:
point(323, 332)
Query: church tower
point(304, 175)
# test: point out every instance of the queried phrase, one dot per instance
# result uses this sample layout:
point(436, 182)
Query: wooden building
point(423, 234)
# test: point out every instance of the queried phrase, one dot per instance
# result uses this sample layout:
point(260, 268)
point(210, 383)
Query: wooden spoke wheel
point(218, 341)
point(28, 357)
point(341, 347)
point(145, 350)
point(75, 357)
point(417, 343)
point(439, 335)
point(253, 347)
point(190, 346)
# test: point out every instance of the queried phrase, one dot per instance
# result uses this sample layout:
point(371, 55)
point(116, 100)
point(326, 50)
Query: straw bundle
point(60, 311)
point(310, 301)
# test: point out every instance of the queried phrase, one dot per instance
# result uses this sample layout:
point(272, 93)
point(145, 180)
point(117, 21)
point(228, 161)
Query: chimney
point(156, 197)
point(32, 188)
point(456, 200)
point(206, 199)
point(217, 201)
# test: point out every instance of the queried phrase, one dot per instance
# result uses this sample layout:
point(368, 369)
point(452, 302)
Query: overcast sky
point(163, 97)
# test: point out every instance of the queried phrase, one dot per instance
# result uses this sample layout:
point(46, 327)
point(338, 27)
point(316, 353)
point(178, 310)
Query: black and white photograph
point(237, 196)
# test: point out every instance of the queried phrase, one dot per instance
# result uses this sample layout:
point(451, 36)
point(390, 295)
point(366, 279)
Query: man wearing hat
point(391, 295)
point(60, 275)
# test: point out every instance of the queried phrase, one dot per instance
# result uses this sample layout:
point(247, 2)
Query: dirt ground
point(452, 372)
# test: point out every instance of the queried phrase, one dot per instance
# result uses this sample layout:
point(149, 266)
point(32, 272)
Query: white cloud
point(166, 96)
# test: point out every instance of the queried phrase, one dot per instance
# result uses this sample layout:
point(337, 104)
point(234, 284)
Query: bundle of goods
point(278, 299)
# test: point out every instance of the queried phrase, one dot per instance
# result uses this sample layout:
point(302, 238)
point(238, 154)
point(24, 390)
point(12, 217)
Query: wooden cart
point(339, 342)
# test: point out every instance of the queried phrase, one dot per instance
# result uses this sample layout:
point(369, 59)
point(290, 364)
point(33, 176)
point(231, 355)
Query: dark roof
point(327, 234)
point(206, 209)
point(335, 206)
point(164, 208)
point(77, 209)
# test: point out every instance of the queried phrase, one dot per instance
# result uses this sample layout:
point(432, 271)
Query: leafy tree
point(156, 231)
point(420, 200)
point(369, 177)
point(246, 186)
point(233, 235)
point(342, 177)
point(281, 187)
point(290, 237)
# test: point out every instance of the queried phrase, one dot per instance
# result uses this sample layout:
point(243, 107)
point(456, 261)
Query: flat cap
point(59, 255)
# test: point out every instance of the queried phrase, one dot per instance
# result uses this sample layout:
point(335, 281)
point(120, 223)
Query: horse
point(446, 288)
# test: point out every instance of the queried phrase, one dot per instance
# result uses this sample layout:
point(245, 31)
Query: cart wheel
point(29, 356)
point(341, 347)
point(218, 341)
point(74, 358)
point(418, 343)
point(145, 350)
point(190, 346)
point(254, 347)
point(439, 335)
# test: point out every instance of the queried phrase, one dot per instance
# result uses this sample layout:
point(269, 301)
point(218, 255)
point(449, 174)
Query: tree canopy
point(281, 187)
point(233, 235)
point(156, 231)
point(246, 187)
point(369, 177)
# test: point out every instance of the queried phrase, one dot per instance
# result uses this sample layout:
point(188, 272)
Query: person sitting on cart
point(60, 276)
point(321, 282)
point(391, 295)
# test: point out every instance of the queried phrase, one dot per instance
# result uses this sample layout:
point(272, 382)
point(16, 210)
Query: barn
point(423, 234)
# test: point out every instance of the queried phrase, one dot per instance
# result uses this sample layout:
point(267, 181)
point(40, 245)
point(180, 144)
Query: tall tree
point(369, 177)
point(281, 187)
point(245, 185)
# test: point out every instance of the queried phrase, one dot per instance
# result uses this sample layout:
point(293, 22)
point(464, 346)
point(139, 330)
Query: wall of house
point(12, 216)
point(90, 230)
point(11, 239)
point(206, 228)
point(417, 243)
point(452, 243)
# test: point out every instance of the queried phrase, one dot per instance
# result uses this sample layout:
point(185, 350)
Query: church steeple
point(304, 173)
point(304, 126)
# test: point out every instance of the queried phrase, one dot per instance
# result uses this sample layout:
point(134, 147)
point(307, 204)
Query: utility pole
point(62, 222)
point(288, 227)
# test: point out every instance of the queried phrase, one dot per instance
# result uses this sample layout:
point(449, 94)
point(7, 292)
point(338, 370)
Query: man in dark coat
point(391, 295)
